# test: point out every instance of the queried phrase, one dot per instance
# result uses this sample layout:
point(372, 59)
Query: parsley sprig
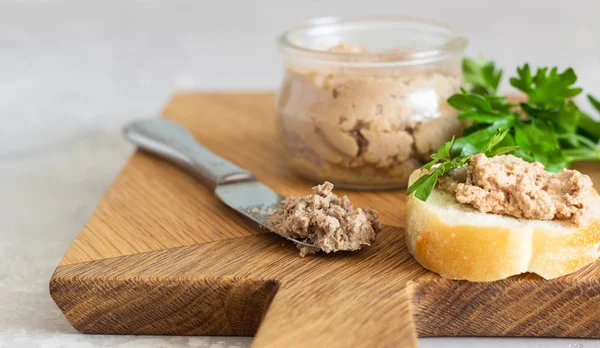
point(547, 127)
point(482, 75)
point(423, 187)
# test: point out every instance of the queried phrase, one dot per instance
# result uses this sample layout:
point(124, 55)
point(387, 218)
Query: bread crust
point(459, 248)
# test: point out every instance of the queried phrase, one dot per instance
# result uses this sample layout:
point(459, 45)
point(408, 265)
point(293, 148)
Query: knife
point(234, 186)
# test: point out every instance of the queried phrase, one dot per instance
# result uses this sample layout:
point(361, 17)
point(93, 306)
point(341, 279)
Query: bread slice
point(459, 242)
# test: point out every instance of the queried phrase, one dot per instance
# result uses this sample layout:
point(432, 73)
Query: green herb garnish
point(425, 184)
point(482, 75)
point(548, 127)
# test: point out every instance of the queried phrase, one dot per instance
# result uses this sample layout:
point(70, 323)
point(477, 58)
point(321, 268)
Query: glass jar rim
point(453, 45)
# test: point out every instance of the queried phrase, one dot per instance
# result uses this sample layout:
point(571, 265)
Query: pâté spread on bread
point(499, 200)
point(508, 185)
point(499, 216)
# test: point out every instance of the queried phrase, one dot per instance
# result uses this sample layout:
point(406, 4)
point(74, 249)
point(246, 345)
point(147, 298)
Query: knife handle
point(170, 141)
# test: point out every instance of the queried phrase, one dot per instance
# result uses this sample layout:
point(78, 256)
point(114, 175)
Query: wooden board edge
point(514, 307)
point(213, 306)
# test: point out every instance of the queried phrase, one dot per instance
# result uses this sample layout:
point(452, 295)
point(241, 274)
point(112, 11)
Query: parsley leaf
point(544, 126)
point(476, 141)
point(587, 125)
point(546, 88)
point(595, 103)
point(495, 140)
point(552, 121)
point(482, 76)
point(423, 186)
point(443, 154)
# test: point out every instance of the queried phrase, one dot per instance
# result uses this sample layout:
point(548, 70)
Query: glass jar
point(363, 101)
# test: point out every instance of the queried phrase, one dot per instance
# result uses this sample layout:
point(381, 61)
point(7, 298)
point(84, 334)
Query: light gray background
point(73, 72)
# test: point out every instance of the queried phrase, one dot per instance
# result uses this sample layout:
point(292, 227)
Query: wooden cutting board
point(161, 255)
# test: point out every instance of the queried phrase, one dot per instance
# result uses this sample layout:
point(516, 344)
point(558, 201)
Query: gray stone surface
point(73, 72)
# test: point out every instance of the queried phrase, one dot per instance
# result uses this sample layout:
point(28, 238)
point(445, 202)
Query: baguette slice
point(459, 242)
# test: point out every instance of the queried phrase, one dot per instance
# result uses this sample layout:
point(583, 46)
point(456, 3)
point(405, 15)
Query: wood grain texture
point(523, 305)
point(161, 255)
